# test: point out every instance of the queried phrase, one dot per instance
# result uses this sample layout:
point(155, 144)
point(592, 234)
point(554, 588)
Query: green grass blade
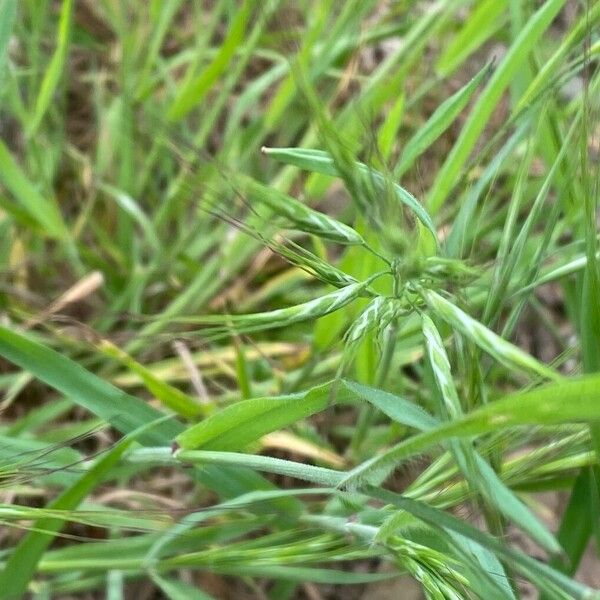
point(43, 211)
point(516, 56)
point(494, 581)
point(543, 575)
point(133, 209)
point(396, 408)
point(121, 410)
point(574, 265)
point(576, 34)
point(304, 218)
point(8, 13)
point(124, 412)
point(179, 590)
point(487, 340)
point(170, 396)
point(55, 68)
point(283, 317)
point(444, 115)
point(476, 470)
point(174, 535)
point(464, 225)
point(574, 531)
point(195, 90)
point(485, 19)
point(268, 464)
point(235, 426)
point(161, 16)
point(306, 574)
point(21, 565)
point(573, 400)
point(388, 132)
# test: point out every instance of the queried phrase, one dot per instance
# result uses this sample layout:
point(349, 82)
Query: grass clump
point(299, 298)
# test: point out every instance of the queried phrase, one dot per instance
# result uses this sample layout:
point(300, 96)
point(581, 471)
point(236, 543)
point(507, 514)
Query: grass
point(298, 298)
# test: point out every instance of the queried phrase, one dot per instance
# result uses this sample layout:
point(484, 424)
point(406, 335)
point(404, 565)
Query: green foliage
point(312, 267)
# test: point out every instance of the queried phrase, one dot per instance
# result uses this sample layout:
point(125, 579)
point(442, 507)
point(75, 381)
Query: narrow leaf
point(21, 565)
point(55, 68)
point(503, 351)
point(444, 115)
point(517, 54)
point(568, 401)
point(43, 211)
point(235, 426)
point(8, 12)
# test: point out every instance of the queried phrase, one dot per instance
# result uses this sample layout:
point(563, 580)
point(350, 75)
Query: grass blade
point(179, 590)
point(517, 54)
point(444, 115)
point(8, 14)
point(487, 340)
point(194, 91)
point(575, 400)
point(126, 413)
point(268, 464)
point(123, 411)
point(395, 407)
point(235, 426)
point(283, 317)
point(21, 565)
point(170, 396)
point(550, 68)
point(55, 68)
point(543, 575)
point(304, 218)
point(486, 18)
point(43, 211)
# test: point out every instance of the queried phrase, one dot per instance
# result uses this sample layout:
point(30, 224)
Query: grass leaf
point(43, 211)
point(572, 400)
point(487, 340)
point(21, 565)
point(444, 115)
point(447, 177)
point(235, 426)
point(55, 68)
